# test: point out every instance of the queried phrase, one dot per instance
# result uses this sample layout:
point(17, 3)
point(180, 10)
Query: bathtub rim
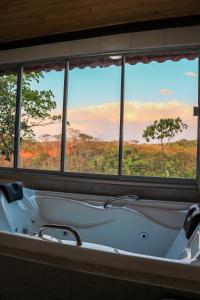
point(81, 199)
point(149, 270)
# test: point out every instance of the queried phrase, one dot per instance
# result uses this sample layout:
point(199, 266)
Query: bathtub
point(126, 225)
point(124, 234)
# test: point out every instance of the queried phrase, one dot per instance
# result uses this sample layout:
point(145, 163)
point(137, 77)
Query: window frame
point(144, 180)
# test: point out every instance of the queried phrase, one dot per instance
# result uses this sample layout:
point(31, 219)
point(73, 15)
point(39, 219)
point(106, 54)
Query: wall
point(23, 279)
point(173, 37)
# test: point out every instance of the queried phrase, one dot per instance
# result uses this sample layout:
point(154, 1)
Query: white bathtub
point(142, 241)
point(125, 226)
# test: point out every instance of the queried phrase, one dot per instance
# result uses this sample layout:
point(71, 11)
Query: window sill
point(171, 189)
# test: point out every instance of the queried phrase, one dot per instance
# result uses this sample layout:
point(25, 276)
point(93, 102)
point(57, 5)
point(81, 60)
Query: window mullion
point(18, 118)
point(64, 117)
point(198, 130)
point(121, 127)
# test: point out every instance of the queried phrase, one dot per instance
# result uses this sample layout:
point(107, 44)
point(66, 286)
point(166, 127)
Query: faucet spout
point(119, 201)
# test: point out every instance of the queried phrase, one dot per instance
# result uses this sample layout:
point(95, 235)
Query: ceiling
point(27, 19)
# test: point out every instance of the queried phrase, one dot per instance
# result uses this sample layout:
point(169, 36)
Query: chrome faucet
point(109, 202)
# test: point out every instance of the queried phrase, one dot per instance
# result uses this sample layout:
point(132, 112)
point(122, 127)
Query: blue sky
point(143, 82)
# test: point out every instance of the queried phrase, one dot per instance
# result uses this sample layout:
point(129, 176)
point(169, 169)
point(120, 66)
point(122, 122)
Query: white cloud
point(102, 121)
point(190, 74)
point(166, 92)
point(146, 112)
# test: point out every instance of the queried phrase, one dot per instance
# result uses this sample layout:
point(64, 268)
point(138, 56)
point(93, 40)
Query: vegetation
point(101, 157)
point(37, 109)
point(164, 131)
point(147, 160)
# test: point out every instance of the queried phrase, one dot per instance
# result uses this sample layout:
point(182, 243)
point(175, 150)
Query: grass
point(101, 157)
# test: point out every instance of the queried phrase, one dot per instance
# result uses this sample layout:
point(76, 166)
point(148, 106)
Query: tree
point(164, 130)
point(36, 110)
point(77, 135)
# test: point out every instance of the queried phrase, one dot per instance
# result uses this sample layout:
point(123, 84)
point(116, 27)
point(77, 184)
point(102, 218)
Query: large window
point(120, 115)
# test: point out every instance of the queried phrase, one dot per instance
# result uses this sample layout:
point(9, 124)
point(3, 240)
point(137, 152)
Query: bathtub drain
point(144, 235)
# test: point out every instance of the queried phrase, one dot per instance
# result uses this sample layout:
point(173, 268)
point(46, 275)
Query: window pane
point(8, 88)
point(160, 131)
point(93, 115)
point(41, 124)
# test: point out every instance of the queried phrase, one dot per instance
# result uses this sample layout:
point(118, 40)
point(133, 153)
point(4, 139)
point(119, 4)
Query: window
point(121, 115)
point(160, 131)
point(93, 115)
point(41, 117)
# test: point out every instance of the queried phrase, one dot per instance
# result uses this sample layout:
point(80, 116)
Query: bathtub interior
point(146, 227)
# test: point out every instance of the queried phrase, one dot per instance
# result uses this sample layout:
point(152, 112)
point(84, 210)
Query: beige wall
point(173, 37)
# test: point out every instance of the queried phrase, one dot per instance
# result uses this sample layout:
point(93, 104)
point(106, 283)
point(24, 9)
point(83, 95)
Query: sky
point(152, 91)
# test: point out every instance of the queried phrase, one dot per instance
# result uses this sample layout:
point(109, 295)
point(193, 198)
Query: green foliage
point(101, 157)
point(147, 160)
point(7, 114)
point(36, 110)
point(164, 130)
